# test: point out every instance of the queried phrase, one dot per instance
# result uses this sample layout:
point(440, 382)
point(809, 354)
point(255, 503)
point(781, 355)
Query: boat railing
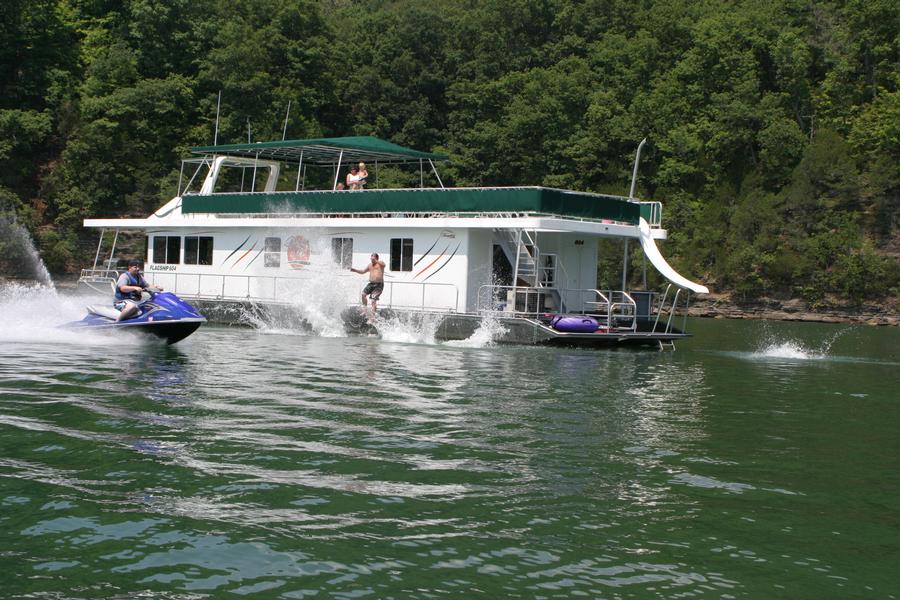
point(655, 219)
point(517, 300)
point(431, 214)
point(613, 309)
point(387, 298)
point(671, 309)
point(283, 290)
point(98, 275)
point(645, 311)
point(100, 280)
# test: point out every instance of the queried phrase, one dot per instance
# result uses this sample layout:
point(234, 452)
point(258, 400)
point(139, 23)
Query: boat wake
point(485, 336)
point(33, 314)
point(773, 348)
point(776, 349)
point(314, 308)
point(409, 328)
point(422, 329)
point(791, 350)
point(317, 306)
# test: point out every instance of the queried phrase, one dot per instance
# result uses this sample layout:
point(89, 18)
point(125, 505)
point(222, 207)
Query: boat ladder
point(520, 246)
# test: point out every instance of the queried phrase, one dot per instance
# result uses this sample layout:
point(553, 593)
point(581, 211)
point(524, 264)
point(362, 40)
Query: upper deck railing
point(478, 202)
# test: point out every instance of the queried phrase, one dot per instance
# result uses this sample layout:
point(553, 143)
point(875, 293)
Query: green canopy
point(325, 151)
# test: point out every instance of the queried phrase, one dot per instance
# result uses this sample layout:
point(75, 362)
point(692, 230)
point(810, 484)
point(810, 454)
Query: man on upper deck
point(373, 290)
point(129, 287)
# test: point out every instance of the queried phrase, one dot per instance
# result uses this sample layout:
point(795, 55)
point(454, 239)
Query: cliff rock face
point(722, 306)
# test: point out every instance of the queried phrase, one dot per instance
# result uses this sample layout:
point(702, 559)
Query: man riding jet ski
point(164, 315)
point(129, 290)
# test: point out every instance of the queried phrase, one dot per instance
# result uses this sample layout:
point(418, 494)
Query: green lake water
point(759, 460)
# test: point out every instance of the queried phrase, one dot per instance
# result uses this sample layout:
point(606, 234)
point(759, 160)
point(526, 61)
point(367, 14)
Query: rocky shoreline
point(722, 306)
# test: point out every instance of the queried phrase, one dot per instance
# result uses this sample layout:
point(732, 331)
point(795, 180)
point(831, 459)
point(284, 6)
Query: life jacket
point(132, 280)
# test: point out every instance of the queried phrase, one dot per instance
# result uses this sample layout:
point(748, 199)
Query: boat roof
point(325, 151)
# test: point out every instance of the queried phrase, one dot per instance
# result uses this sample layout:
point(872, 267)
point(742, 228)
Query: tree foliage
point(774, 127)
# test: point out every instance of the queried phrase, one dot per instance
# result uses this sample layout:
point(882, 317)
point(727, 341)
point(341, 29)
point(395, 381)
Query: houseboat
point(267, 229)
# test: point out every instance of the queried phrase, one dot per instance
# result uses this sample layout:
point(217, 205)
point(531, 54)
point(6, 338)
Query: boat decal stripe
point(432, 262)
point(236, 249)
point(244, 255)
point(427, 251)
point(254, 258)
point(447, 262)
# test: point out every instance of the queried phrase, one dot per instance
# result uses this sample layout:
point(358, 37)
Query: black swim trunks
point(374, 289)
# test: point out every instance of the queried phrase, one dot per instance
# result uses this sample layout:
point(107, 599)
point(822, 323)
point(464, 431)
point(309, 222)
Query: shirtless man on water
point(373, 290)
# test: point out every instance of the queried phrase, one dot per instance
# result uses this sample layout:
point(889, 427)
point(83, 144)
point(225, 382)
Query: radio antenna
point(637, 159)
point(218, 105)
point(287, 114)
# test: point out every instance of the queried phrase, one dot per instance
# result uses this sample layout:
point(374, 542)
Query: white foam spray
point(410, 328)
point(789, 349)
point(489, 330)
point(315, 303)
point(314, 300)
point(34, 313)
point(772, 347)
point(312, 305)
point(20, 255)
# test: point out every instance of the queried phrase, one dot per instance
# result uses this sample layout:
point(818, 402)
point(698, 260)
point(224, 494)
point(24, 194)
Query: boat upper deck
point(460, 202)
point(246, 182)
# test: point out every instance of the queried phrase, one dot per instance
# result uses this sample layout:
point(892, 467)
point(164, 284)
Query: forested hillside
point(773, 127)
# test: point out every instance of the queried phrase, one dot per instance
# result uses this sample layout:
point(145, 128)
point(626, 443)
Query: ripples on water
point(288, 466)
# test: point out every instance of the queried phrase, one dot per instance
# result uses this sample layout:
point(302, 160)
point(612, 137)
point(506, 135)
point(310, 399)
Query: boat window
point(198, 250)
point(342, 252)
point(401, 254)
point(272, 257)
point(166, 249)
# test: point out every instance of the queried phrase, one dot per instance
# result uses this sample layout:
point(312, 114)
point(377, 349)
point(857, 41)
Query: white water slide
point(662, 266)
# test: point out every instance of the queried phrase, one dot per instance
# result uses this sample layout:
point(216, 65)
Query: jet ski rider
point(129, 287)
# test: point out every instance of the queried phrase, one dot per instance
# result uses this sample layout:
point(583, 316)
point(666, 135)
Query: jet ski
point(163, 314)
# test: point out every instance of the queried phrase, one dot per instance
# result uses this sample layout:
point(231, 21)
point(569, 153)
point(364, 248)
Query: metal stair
point(523, 253)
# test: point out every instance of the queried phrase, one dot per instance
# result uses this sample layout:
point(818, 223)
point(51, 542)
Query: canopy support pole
point(255, 163)
point(286, 115)
point(421, 175)
point(99, 245)
point(299, 170)
point(644, 265)
point(433, 168)
point(113, 249)
point(191, 180)
point(337, 170)
point(218, 106)
point(625, 266)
